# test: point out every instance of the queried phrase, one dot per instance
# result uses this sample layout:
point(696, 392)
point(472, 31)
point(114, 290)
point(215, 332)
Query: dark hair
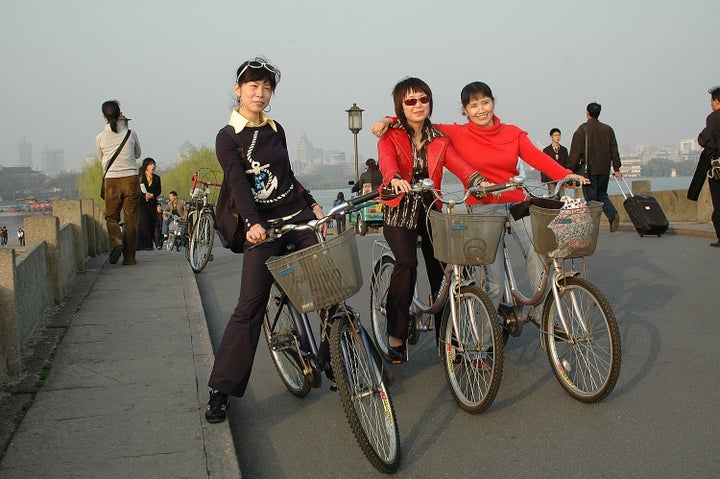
point(173, 192)
point(555, 130)
point(340, 196)
point(715, 93)
point(371, 163)
point(401, 90)
point(593, 109)
point(111, 112)
point(475, 89)
point(146, 162)
point(267, 72)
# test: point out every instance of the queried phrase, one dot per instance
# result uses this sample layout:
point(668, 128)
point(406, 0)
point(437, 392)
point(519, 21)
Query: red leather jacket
point(395, 157)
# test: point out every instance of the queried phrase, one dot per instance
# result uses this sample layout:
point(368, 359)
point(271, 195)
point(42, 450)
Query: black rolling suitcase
point(644, 212)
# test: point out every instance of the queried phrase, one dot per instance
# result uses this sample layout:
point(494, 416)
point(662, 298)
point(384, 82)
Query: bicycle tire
point(587, 364)
point(281, 339)
point(365, 399)
point(170, 241)
point(379, 284)
point(188, 234)
point(474, 371)
point(201, 242)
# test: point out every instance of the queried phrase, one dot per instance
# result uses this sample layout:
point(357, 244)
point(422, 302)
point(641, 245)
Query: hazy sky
point(171, 64)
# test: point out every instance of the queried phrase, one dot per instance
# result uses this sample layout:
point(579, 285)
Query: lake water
point(325, 197)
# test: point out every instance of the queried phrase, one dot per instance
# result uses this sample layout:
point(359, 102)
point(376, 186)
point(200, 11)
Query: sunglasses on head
point(257, 65)
point(413, 101)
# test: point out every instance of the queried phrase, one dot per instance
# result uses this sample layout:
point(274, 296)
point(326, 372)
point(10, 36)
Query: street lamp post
point(355, 125)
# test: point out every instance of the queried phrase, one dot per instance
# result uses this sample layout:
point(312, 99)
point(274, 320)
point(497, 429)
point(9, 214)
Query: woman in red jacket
point(493, 149)
point(412, 151)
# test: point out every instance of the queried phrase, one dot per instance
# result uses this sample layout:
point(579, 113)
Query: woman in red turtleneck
point(493, 149)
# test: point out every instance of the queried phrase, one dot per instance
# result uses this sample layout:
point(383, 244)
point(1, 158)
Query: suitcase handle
point(621, 188)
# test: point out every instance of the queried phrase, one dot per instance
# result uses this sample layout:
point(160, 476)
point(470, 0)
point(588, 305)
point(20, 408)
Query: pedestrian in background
point(598, 139)
point(340, 220)
point(709, 138)
point(151, 188)
point(21, 236)
point(122, 188)
point(558, 153)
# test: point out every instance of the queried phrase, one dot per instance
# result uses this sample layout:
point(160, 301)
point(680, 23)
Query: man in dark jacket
point(708, 139)
point(371, 176)
point(598, 139)
point(558, 153)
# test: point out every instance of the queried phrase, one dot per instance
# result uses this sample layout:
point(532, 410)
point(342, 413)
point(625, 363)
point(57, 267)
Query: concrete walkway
point(127, 390)
point(126, 394)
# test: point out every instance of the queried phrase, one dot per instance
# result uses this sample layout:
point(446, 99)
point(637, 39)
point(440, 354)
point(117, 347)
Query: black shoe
point(216, 406)
point(716, 244)
point(115, 253)
point(396, 354)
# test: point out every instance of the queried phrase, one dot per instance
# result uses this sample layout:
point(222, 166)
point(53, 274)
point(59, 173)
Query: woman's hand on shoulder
point(380, 127)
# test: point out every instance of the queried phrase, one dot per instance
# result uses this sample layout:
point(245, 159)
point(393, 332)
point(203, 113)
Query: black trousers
point(236, 353)
point(715, 197)
point(403, 242)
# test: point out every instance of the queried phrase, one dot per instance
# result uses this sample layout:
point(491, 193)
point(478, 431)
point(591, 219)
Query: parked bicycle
point(320, 278)
point(201, 224)
point(578, 328)
point(470, 343)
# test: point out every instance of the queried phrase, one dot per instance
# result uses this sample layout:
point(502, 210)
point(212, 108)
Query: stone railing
point(39, 275)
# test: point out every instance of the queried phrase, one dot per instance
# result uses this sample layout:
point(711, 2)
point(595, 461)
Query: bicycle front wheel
point(364, 397)
point(473, 355)
point(379, 285)
point(201, 242)
point(282, 340)
point(587, 361)
point(170, 241)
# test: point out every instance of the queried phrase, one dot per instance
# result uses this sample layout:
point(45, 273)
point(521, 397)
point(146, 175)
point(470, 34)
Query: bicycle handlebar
point(278, 227)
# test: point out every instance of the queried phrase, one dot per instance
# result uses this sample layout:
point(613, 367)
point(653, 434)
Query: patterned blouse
point(412, 206)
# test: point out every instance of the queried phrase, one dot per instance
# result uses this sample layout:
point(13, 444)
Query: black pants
point(236, 353)
point(147, 212)
point(596, 190)
point(715, 197)
point(403, 242)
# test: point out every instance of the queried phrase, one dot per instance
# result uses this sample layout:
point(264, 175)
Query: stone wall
point(40, 274)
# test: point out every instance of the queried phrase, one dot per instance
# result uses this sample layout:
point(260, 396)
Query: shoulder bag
point(115, 155)
point(228, 223)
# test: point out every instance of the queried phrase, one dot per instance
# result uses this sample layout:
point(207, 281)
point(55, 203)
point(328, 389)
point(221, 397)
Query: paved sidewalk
point(126, 394)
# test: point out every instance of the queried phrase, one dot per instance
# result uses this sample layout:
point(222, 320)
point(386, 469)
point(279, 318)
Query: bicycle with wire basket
point(320, 278)
point(470, 340)
point(200, 224)
point(577, 325)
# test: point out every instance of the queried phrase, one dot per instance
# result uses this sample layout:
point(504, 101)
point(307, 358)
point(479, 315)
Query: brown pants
point(122, 194)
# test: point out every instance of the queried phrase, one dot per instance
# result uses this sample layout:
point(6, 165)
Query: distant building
point(25, 157)
point(689, 150)
point(20, 181)
point(53, 161)
point(186, 151)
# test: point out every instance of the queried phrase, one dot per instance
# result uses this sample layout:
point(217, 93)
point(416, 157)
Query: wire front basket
point(464, 238)
point(566, 232)
point(321, 275)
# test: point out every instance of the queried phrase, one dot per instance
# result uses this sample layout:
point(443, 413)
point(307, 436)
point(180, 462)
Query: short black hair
point(594, 109)
point(715, 92)
point(555, 130)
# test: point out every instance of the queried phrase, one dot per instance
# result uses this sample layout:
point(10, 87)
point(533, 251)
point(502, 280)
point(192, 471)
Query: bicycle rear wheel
point(378, 301)
point(364, 397)
point(473, 355)
point(201, 242)
point(587, 362)
point(281, 338)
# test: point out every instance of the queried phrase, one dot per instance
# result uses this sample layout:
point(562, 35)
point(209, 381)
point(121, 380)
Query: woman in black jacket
point(150, 187)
